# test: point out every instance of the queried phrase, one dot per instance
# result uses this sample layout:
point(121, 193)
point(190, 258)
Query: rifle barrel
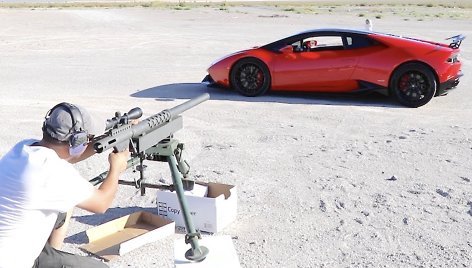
point(175, 111)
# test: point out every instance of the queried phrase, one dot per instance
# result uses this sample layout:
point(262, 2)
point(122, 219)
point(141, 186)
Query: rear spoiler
point(456, 41)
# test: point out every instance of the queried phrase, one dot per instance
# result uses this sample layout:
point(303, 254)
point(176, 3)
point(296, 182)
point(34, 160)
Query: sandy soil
point(314, 173)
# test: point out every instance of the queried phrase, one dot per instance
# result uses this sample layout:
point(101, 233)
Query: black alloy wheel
point(413, 85)
point(250, 77)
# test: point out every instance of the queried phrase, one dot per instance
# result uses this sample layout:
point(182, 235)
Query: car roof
point(345, 30)
point(335, 30)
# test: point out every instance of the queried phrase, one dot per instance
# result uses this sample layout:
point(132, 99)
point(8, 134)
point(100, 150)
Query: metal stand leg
point(196, 253)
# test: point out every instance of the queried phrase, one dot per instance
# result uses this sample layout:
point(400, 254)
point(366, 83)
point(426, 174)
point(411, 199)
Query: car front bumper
point(208, 81)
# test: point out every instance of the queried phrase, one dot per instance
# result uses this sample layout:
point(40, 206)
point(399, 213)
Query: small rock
point(442, 193)
point(393, 178)
point(339, 204)
point(322, 206)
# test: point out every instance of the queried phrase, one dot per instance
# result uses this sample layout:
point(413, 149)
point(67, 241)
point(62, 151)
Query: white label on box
point(164, 210)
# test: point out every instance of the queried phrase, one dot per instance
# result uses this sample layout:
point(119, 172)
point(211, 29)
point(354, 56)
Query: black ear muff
point(78, 138)
point(78, 134)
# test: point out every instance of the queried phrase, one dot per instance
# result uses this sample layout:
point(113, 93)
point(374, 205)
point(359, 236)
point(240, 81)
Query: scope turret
point(119, 119)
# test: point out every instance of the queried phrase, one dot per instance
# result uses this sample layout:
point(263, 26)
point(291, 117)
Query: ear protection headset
point(78, 135)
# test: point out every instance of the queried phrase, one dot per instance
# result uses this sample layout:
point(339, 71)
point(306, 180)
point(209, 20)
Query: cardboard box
point(209, 214)
point(119, 236)
point(198, 190)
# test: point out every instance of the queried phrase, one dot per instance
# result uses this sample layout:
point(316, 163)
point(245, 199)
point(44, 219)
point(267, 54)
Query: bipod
point(170, 151)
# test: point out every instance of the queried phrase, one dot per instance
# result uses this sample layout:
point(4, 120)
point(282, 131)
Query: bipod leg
point(142, 178)
point(197, 252)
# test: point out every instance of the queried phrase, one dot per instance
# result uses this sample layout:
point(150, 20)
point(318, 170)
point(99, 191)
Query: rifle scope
point(119, 119)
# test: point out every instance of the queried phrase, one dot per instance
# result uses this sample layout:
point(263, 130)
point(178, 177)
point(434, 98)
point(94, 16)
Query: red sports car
point(341, 60)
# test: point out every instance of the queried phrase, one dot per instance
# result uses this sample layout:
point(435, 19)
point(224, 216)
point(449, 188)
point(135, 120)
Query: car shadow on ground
point(192, 90)
point(97, 219)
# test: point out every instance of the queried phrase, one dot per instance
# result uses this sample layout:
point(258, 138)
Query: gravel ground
point(323, 181)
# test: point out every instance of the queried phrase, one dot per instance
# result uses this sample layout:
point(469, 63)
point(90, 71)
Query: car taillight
point(454, 58)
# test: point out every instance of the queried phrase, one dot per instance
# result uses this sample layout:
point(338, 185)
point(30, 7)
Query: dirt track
point(312, 171)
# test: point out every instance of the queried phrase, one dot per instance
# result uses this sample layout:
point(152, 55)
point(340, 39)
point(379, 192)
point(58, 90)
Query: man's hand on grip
point(118, 160)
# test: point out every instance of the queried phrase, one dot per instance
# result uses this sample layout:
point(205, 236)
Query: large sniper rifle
point(152, 139)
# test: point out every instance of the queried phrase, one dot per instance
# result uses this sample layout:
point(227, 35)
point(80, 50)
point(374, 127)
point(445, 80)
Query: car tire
point(413, 85)
point(250, 77)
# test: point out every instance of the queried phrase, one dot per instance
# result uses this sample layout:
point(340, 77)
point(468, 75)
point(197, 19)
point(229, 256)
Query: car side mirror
point(287, 49)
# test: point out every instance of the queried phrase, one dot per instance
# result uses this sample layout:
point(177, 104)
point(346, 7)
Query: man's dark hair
point(49, 139)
